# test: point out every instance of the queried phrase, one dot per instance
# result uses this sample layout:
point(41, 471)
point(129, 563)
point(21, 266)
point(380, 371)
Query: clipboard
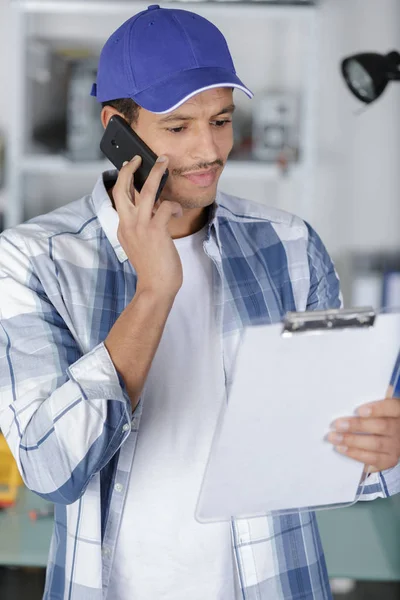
point(291, 381)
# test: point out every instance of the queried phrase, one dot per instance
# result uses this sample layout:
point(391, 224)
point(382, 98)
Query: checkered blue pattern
point(65, 279)
point(395, 381)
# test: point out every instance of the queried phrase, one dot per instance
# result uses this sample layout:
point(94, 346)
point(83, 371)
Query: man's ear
point(106, 114)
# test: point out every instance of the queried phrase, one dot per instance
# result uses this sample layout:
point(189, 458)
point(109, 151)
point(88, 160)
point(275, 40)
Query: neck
point(193, 220)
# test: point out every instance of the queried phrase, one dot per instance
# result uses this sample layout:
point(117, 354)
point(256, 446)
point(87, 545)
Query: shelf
point(254, 169)
point(71, 21)
point(107, 7)
point(59, 164)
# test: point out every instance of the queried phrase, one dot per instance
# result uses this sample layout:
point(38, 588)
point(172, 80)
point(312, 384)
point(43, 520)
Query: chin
point(191, 198)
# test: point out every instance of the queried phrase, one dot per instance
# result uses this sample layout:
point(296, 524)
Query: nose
point(205, 148)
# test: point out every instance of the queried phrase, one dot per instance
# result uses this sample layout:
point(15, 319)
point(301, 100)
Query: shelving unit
point(58, 163)
point(280, 51)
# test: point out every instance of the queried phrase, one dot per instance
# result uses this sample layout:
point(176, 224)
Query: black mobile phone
point(120, 143)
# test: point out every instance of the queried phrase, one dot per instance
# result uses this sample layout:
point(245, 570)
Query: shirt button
point(118, 487)
point(126, 427)
point(106, 551)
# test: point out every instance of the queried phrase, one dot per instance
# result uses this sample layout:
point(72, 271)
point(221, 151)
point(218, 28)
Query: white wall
point(359, 155)
point(358, 178)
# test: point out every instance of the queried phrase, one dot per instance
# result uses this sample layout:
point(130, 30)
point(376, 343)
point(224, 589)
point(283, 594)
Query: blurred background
point(305, 143)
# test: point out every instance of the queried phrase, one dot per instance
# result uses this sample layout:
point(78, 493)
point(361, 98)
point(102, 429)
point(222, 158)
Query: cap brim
point(168, 95)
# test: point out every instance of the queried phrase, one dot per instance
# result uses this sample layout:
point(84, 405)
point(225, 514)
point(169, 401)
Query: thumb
point(165, 211)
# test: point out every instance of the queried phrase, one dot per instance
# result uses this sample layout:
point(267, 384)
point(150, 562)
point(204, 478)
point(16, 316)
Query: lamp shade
point(368, 74)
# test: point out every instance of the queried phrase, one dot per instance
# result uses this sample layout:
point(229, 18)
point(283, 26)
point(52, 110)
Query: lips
point(202, 178)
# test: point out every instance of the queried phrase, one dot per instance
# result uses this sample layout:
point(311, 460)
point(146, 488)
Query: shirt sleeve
point(64, 413)
point(395, 381)
point(324, 290)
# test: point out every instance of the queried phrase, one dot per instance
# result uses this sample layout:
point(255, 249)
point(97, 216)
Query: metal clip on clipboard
point(326, 320)
point(291, 380)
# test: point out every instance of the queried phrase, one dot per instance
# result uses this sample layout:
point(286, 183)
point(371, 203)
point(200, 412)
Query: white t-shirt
point(162, 552)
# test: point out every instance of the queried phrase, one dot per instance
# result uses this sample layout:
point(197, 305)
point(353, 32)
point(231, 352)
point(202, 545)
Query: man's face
point(197, 137)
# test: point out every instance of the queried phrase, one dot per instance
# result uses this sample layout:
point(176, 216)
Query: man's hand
point(143, 230)
point(380, 448)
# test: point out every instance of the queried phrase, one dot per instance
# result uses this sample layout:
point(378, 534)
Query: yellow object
point(10, 479)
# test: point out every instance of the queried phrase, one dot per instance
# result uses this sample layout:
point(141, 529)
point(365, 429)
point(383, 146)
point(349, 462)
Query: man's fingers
point(380, 448)
point(375, 417)
point(370, 469)
point(389, 407)
point(124, 195)
point(149, 190)
point(389, 392)
point(374, 443)
point(126, 174)
point(380, 462)
point(123, 189)
point(156, 206)
point(376, 426)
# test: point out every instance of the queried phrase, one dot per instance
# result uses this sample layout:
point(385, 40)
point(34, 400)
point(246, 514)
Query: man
point(119, 326)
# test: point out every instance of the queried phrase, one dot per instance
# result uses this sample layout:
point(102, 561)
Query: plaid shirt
point(65, 279)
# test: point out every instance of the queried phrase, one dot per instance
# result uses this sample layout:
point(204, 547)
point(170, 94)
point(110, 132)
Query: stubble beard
point(190, 203)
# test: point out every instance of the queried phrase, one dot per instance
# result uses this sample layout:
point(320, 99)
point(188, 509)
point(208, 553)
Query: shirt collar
point(106, 213)
point(109, 219)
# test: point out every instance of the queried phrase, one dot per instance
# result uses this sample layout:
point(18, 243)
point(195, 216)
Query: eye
point(176, 129)
point(221, 123)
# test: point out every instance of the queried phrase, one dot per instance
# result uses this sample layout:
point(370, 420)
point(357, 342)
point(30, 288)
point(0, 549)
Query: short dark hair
point(126, 106)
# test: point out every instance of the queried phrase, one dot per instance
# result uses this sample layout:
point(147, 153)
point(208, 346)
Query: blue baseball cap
point(161, 57)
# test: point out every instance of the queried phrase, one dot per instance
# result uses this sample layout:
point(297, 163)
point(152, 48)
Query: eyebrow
point(182, 117)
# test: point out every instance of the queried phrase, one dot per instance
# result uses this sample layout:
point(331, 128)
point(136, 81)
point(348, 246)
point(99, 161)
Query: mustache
point(199, 167)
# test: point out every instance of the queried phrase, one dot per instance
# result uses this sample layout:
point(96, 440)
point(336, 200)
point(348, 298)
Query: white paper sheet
point(269, 451)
